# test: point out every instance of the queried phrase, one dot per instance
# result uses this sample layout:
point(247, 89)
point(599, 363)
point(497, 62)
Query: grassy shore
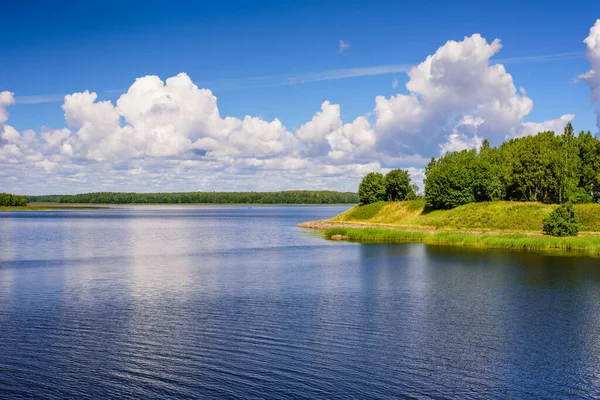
point(589, 245)
point(505, 216)
point(499, 225)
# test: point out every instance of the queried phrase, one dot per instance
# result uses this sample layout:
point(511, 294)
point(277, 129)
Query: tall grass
point(587, 244)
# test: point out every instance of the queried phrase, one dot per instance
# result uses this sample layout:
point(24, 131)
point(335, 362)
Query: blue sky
point(247, 53)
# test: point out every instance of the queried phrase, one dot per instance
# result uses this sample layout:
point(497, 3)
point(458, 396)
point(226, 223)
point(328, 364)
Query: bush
point(561, 222)
point(372, 188)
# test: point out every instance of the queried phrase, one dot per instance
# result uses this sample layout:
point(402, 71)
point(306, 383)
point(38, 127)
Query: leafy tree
point(589, 155)
point(398, 185)
point(485, 145)
point(372, 188)
point(544, 167)
point(561, 222)
point(459, 178)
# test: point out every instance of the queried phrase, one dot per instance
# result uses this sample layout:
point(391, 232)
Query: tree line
point(548, 168)
point(283, 197)
point(12, 200)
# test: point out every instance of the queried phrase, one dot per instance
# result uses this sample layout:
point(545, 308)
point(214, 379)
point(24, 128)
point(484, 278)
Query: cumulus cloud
point(170, 135)
point(163, 119)
point(557, 125)
point(456, 82)
point(592, 77)
point(15, 147)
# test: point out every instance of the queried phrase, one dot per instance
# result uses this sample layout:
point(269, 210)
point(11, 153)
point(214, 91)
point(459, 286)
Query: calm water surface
point(236, 302)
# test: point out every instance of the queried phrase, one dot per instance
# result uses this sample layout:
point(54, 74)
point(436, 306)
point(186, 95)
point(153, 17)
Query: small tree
point(561, 222)
point(398, 186)
point(372, 188)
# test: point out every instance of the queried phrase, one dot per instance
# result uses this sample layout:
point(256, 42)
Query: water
point(236, 302)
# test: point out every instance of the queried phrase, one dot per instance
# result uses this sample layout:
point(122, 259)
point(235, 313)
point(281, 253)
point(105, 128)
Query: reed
point(587, 244)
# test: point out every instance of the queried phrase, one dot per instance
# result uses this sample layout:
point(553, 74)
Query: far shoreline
point(50, 206)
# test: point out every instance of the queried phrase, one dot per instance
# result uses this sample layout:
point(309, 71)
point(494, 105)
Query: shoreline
point(587, 243)
point(47, 206)
point(51, 208)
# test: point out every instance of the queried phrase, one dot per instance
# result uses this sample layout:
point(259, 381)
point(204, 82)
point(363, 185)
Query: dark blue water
point(232, 302)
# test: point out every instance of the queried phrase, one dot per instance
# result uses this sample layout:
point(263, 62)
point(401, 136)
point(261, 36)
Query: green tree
point(12, 200)
point(398, 185)
point(459, 178)
point(372, 188)
point(485, 145)
point(561, 222)
point(589, 156)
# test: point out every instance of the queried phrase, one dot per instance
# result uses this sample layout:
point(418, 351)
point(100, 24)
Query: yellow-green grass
point(490, 216)
point(589, 245)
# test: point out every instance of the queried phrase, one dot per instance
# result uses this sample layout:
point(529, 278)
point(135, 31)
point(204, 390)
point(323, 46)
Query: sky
point(272, 95)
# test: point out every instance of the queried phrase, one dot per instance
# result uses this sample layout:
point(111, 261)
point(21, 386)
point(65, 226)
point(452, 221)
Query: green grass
point(490, 216)
point(584, 244)
point(368, 211)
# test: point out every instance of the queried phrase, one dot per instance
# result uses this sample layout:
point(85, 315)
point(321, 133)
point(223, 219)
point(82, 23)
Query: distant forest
point(12, 200)
point(284, 197)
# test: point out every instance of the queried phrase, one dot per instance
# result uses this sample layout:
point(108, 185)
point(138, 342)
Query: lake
point(237, 302)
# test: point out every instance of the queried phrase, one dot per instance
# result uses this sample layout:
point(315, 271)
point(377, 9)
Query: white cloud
point(6, 99)
point(170, 135)
point(165, 119)
point(343, 46)
point(395, 83)
point(48, 166)
point(313, 133)
point(592, 77)
point(464, 136)
point(555, 125)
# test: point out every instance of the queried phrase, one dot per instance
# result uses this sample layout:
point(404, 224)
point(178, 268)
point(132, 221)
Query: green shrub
point(561, 222)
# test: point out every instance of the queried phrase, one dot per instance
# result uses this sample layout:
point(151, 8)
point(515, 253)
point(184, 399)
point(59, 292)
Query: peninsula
point(533, 193)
